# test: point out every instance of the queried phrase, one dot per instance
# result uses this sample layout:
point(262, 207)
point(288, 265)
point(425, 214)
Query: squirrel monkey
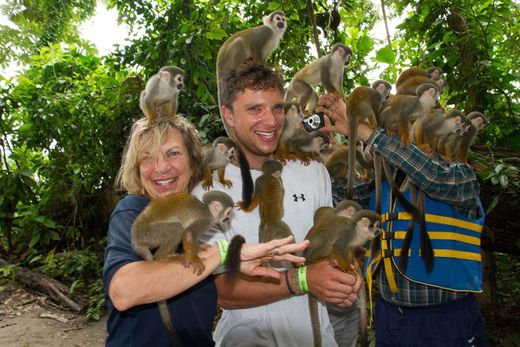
point(307, 146)
point(335, 237)
point(477, 122)
point(292, 122)
point(268, 196)
point(363, 106)
point(427, 131)
point(408, 81)
point(161, 93)
point(217, 157)
point(176, 218)
point(326, 70)
point(401, 110)
point(252, 45)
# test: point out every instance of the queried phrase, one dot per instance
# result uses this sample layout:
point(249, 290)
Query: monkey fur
point(160, 95)
point(292, 121)
point(268, 196)
point(218, 156)
point(326, 70)
point(335, 238)
point(306, 146)
point(176, 218)
point(477, 122)
point(411, 78)
point(363, 106)
point(252, 45)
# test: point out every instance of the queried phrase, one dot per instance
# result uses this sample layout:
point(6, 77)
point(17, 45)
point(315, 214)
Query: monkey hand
point(254, 255)
point(329, 284)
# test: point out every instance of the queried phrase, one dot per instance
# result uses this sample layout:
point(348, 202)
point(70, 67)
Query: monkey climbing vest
point(455, 240)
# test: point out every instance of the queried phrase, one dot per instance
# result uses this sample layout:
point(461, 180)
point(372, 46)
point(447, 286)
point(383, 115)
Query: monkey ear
point(215, 207)
point(227, 115)
point(364, 222)
point(228, 211)
point(165, 76)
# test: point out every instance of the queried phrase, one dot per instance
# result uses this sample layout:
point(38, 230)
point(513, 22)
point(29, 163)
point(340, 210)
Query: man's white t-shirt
point(285, 322)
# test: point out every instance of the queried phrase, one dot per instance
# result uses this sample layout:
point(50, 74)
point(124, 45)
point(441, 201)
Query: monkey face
point(167, 171)
point(179, 81)
point(279, 20)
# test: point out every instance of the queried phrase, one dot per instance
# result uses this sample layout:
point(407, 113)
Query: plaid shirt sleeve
point(453, 183)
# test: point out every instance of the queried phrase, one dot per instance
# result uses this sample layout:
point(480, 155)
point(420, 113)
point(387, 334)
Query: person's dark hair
point(249, 76)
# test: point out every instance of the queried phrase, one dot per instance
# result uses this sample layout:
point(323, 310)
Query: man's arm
point(325, 282)
point(453, 183)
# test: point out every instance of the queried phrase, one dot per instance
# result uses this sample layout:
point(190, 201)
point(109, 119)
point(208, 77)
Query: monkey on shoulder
point(217, 158)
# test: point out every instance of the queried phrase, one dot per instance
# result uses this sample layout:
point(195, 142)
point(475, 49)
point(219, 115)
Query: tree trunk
point(56, 291)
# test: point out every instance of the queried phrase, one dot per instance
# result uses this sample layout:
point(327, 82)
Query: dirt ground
point(27, 320)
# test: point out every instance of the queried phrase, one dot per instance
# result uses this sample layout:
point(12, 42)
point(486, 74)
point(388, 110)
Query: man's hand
point(336, 118)
point(329, 284)
point(335, 112)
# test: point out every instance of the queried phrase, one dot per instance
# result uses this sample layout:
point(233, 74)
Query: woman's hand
point(253, 255)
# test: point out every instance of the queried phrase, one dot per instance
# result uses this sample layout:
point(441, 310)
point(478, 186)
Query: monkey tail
point(175, 341)
point(426, 242)
point(403, 256)
point(233, 256)
point(408, 207)
point(363, 316)
point(352, 138)
point(315, 320)
point(247, 180)
point(378, 178)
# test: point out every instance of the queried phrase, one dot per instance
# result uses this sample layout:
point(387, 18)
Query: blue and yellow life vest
point(455, 240)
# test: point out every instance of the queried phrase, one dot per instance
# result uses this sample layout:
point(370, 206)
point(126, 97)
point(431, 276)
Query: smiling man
point(259, 311)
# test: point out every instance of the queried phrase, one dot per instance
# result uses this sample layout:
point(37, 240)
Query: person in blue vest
point(417, 307)
point(162, 158)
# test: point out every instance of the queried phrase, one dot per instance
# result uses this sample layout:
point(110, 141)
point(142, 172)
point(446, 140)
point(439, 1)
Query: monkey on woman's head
point(160, 96)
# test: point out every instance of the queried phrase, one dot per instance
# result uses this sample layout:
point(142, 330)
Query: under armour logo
point(296, 197)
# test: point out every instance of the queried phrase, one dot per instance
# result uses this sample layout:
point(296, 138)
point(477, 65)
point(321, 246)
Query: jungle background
point(65, 116)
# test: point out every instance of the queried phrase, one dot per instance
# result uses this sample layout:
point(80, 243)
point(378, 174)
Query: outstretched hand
point(253, 255)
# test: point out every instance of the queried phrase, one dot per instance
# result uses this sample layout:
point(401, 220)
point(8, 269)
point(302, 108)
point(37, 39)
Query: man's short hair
point(249, 76)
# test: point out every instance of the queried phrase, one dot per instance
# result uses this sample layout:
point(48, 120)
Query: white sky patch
point(103, 30)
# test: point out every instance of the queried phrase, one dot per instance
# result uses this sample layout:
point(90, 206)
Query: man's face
point(257, 122)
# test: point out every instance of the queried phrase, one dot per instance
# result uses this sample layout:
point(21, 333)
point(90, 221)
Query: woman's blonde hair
point(146, 136)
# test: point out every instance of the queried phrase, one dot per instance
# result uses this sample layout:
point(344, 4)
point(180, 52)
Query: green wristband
point(223, 249)
point(302, 279)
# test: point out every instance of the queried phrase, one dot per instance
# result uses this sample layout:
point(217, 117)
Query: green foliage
point(502, 322)
point(38, 24)
point(81, 269)
point(96, 302)
point(507, 177)
point(476, 45)
point(188, 34)
point(8, 272)
point(65, 117)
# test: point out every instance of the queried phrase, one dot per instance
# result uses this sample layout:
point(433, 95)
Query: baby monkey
point(218, 156)
point(176, 218)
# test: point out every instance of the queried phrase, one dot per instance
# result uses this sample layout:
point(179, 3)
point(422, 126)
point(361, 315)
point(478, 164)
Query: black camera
point(313, 122)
